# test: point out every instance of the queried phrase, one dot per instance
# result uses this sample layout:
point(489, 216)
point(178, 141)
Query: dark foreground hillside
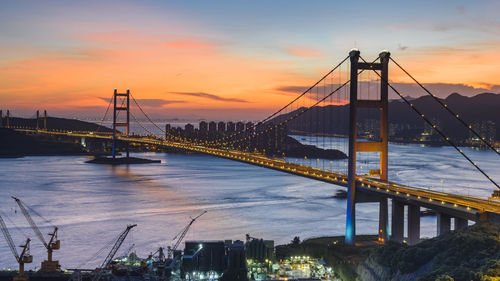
point(469, 254)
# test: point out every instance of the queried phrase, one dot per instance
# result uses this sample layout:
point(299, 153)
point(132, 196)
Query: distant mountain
point(481, 111)
point(54, 123)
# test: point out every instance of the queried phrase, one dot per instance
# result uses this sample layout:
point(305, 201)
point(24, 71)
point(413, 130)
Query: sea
point(92, 204)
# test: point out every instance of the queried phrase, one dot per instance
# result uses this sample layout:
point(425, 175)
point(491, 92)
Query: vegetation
point(469, 254)
point(342, 258)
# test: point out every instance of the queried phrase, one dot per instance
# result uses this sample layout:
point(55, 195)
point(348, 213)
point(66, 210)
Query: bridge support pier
point(413, 224)
point(383, 221)
point(443, 223)
point(460, 223)
point(398, 221)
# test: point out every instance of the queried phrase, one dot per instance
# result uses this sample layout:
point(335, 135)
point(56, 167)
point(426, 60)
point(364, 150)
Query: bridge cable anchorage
point(284, 107)
point(445, 106)
point(447, 139)
point(298, 114)
point(105, 114)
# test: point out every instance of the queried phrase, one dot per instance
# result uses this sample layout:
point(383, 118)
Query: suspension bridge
point(356, 88)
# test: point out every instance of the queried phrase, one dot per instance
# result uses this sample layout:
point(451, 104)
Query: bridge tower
point(1, 118)
point(37, 118)
point(45, 119)
point(380, 146)
point(116, 109)
point(7, 124)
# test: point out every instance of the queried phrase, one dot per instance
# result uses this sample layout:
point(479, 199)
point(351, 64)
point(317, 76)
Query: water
point(92, 204)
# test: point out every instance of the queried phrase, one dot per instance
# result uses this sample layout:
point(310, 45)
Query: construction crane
point(181, 235)
point(23, 258)
point(48, 265)
point(112, 253)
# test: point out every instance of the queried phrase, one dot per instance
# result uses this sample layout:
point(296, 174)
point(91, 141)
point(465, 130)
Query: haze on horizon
point(230, 59)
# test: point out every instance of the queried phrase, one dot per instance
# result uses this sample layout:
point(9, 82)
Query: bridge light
point(455, 205)
point(442, 202)
point(418, 197)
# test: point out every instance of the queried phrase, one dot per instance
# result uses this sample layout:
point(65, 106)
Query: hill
point(469, 254)
point(481, 111)
point(55, 123)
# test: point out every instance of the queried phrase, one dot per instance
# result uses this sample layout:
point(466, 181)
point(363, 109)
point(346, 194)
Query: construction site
point(252, 259)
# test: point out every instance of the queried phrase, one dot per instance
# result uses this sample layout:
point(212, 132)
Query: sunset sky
point(230, 60)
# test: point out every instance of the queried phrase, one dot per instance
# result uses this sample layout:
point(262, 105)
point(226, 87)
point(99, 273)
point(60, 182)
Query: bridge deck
point(454, 203)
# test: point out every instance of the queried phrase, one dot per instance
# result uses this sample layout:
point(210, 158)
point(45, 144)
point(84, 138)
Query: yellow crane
point(23, 258)
point(48, 265)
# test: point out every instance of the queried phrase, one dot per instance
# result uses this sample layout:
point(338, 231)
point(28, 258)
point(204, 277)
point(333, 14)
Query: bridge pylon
point(380, 146)
point(7, 124)
point(124, 106)
point(37, 118)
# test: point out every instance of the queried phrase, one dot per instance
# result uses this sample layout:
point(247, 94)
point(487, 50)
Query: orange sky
point(186, 74)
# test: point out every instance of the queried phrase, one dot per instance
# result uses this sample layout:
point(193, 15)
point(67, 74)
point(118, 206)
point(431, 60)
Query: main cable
point(290, 103)
point(105, 114)
point(445, 106)
point(447, 139)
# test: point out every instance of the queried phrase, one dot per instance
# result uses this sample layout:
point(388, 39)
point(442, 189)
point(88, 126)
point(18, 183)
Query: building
point(203, 127)
point(221, 127)
point(212, 127)
point(249, 126)
point(240, 126)
point(230, 127)
point(189, 130)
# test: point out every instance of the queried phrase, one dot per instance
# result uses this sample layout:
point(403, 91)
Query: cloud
point(209, 96)
point(441, 90)
point(304, 52)
point(150, 102)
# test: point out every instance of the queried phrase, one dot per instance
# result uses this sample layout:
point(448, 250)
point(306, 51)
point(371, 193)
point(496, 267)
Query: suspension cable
point(106, 113)
point(284, 107)
point(445, 106)
point(140, 124)
point(447, 139)
point(302, 112)
point(161, 130)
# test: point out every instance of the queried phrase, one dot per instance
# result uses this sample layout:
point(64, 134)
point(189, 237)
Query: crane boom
point(48, 265)
point(31, 222)
point(183, 233)
point(8, 237)
point(25, 257)
point(113, 251)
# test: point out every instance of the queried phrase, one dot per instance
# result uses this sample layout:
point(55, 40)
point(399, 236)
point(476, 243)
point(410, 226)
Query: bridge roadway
point(465, 207)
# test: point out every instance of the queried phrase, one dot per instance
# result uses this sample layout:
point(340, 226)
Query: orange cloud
point(305, 52)
point(474, 65)
point(150, 66)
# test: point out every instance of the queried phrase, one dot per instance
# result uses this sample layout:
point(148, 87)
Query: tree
point(444, 277)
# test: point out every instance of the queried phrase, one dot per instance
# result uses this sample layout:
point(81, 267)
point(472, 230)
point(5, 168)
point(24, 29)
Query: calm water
point(92, 204)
